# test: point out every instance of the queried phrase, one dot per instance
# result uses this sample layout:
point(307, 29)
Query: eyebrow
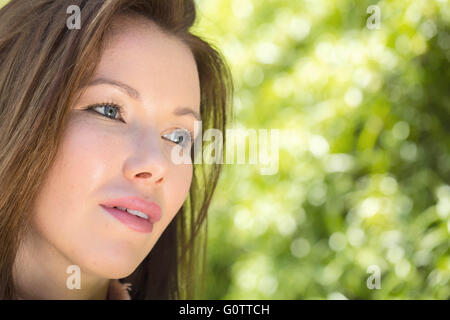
point(133, 93)
point(187, 111)
point(126, 88)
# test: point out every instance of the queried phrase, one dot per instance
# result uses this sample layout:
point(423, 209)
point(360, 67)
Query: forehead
point(158, 65)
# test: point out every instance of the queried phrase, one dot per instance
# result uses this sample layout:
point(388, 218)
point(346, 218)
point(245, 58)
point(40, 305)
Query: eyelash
point(121, 113)
point(120, 109)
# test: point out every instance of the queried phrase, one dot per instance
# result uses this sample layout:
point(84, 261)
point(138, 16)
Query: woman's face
point(105, 158)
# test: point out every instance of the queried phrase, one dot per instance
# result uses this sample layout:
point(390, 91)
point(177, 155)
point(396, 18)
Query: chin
point(116, 271)
point(114, 265)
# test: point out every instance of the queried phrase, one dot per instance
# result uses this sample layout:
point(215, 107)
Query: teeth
point(138, 213)
point(134, 212)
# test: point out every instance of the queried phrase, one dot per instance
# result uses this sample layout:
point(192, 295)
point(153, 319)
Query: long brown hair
point(42, 66)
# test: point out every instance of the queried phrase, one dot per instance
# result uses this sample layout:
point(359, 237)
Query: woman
point(91, 201)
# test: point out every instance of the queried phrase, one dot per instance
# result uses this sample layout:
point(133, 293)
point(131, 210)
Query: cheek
point(81, 163)
point(73, 176)
point(177, 190)
point(67, 215)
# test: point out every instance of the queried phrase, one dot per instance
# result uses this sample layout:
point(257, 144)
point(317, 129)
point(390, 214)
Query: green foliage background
point(364, 161)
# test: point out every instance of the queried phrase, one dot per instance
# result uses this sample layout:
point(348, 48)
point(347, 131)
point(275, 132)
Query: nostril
point(159, 180)
point(144, 175)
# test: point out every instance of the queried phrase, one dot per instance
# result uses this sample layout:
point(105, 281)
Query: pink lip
point(133, 222)
point(151, 209)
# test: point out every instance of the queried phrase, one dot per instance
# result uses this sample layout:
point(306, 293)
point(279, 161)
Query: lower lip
point(133, 222)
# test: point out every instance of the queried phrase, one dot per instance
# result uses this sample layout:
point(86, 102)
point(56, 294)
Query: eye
point(181, 137)
point(108, 109)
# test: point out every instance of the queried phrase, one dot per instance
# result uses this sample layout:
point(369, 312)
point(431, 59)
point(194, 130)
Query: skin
point(102, 159)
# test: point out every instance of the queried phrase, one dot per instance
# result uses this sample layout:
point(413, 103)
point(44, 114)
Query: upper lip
point(151, 209)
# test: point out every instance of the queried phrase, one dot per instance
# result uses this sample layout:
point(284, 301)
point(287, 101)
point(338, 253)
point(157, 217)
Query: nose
point(147, 164)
